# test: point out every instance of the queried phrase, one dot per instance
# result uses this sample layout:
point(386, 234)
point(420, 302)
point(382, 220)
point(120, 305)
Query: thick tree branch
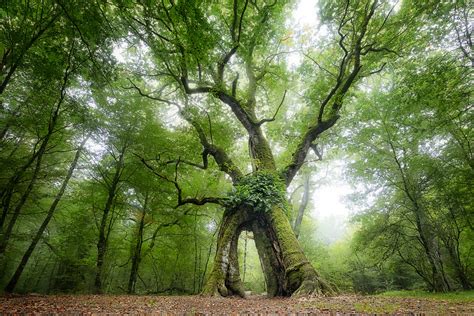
point(235, 8)
point(224, 61)
point(230, 100)
point(202, 201)
point(234, 85)
point(342, 65)
point(237, 109)
point(241, 19)
point(305, 144)
point(220, 156)
point(369, 48)
point(336, 95)
point(197, 90)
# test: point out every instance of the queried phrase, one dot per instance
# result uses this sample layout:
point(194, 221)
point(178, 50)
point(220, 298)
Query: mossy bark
point(287, 270)
point(301, 277)
point(272, 267)
point(224, 279)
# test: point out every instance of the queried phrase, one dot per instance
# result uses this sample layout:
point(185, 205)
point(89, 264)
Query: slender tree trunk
point(195, 271)
point(102, 242)
point(8, 191)
point(17, 210)
point(101, 248)
point(38, 156)
point(16, 276)
point(440, 283)
point(9, 188)
point(451, 240)
point(461, 273)
point(137, 251)
point(208, 257)
point(302, 207)
point(426, 237)
point(245, 257)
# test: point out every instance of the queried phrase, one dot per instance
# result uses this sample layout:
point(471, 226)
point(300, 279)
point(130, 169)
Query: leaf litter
point(254, 305)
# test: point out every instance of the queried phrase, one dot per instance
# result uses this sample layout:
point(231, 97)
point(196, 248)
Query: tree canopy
point(143, 144)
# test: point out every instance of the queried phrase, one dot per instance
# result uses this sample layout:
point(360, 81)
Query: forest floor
point(196, 305)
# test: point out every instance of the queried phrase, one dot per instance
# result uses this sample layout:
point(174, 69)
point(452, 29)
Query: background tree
point(407, 156)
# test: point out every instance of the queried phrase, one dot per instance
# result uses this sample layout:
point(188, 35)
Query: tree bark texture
point(137, 251)
point(286, 269)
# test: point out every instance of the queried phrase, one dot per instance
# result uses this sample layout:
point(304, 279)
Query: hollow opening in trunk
point(250, 267)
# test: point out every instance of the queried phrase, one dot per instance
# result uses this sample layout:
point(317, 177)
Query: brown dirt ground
point(255, 305)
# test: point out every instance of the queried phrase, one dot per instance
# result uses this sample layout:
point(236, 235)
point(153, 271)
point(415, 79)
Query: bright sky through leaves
point(327, 199)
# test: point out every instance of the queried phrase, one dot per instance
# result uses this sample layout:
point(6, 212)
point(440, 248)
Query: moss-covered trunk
point(272, 266)
point(287, 270)
point(224, 279)
point(300, 276)
point(257, 205)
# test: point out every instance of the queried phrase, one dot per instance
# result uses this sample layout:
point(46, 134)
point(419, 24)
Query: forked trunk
point(287, 270)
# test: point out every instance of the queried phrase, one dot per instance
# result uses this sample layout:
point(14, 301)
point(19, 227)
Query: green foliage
point(250, 263)
point(412, 159)
point(419, 111)
point(259, 191)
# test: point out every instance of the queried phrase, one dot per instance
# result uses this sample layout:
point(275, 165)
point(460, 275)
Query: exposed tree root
point(316, 286)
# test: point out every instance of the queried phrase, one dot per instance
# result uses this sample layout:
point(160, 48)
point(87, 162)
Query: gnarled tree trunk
point(286, 269)
point(225, 276)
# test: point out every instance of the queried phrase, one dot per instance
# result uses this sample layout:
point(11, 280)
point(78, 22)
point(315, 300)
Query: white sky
point(327, 199)
point(306, 13)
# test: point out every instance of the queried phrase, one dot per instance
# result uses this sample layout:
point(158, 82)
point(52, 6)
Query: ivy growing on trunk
point(259, 191)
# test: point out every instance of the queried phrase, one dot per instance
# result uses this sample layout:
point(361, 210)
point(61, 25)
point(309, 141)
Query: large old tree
point(233, 55)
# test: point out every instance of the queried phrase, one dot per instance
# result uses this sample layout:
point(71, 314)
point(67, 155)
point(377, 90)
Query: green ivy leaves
point(259, 191)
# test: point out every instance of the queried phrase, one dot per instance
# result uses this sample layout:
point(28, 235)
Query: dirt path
point(196, 305)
